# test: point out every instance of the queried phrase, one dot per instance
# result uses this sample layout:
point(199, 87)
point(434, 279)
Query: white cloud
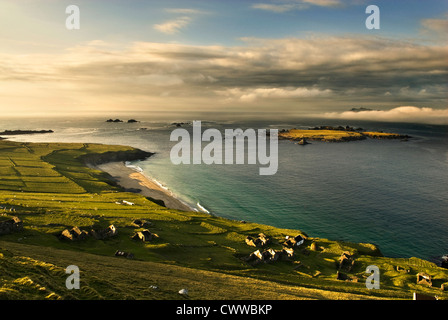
point(185, 11)
point(279, 8)
point(253, 94)
point(173, 26)
point(399, 114)
point(291, 5)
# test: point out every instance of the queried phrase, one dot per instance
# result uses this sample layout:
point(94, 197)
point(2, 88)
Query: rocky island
point(16, 132)
point(335, 134)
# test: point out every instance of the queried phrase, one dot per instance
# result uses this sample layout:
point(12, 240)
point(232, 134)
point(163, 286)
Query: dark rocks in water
point(119, 120)
point(178, 124)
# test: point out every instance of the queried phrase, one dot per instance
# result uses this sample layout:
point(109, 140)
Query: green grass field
point(50, 189)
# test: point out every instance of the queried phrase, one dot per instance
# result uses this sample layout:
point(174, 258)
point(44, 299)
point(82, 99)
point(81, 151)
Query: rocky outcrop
point(95, 159)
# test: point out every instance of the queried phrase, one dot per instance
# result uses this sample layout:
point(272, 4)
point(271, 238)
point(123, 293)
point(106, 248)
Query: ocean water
point(387, 192)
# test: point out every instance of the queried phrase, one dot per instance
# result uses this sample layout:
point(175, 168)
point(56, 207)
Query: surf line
point(228, 150)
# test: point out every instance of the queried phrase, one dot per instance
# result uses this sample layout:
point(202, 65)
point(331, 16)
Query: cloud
point(317, 73)
point(278, 8)
point(173, 26)
point(435, 27)
point(254, 94)
point(400, 114)
point(186, 11)
point(291, 5)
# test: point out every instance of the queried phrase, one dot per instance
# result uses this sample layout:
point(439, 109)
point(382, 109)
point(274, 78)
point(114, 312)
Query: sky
point(291, 57)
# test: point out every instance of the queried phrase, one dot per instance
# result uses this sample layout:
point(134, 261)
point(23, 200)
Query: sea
point(391, 193)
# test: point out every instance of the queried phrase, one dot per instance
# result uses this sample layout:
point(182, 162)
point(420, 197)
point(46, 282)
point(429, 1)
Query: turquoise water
point(390, 193)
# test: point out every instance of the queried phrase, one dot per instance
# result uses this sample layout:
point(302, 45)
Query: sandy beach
point(133, 180)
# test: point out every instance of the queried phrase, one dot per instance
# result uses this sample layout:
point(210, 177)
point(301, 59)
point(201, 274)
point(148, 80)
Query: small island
point(119, 120)
point(17, 132)
point(336, 134)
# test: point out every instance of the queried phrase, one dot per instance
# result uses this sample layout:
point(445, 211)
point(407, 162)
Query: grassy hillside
point(50, 189)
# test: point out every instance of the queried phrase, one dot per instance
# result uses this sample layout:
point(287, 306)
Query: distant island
point(361, 109)
point(17, 132)
point(119, 120)
point(336, 134)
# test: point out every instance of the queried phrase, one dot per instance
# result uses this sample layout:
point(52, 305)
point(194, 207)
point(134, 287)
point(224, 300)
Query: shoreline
point(133, 180)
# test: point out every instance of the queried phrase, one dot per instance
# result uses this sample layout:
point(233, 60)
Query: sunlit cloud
point(173, 26)
point(435, 28)
point(254, 94)
point(399, 114)
point(286, 73)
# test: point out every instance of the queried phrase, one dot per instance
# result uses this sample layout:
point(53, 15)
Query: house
point(12, 225)
point(293, 241)
point(257, 242)
point(419, 296)
point(266, 256)
point(105, 233)
point(74, 234)
point(288, 252)
point(346, 261)
point(144, 235)
point(141, 223)
point(424, 279)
